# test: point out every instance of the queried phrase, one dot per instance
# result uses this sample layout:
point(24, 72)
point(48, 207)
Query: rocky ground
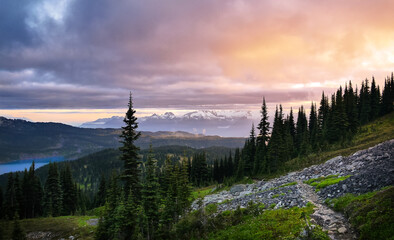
point(369, 170)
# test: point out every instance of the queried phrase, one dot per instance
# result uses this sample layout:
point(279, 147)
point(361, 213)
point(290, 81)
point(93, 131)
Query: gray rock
point(237, 189)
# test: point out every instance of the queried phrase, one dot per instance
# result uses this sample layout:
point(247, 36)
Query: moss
point(322, 182)
point(271, 224)
point(288, 184)
point(62, 227)
point(277, 195)
point(372, 213)
point(211, 208)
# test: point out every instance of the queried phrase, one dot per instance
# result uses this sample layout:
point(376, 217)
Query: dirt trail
point(335, 223)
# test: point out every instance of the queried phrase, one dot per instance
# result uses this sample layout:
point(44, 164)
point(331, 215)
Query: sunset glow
point(73, 61)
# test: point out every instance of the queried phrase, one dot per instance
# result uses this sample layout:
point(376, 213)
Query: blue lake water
point(20, 165)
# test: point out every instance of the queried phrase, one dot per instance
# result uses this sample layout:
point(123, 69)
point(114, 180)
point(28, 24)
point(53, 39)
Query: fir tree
point(69, 191)
point(313, 126)
point(364, 103)
point(276, 146)
point(131, 173)
point(150, 196)
point(53, 199)
point(18, 233)
point(10, 203)
point(350, 101)
point(375, 100)
point(102, 192)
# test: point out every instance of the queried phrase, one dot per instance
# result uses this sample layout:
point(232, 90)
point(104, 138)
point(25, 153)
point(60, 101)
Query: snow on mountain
point(209, 122)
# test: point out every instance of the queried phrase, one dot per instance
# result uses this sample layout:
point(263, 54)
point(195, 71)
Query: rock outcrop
point(369, 170)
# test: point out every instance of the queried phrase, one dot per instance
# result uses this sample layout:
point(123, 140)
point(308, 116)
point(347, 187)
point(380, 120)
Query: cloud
point(187, 54)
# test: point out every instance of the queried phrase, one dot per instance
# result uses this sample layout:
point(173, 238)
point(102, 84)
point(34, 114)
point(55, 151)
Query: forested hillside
point(20, 139)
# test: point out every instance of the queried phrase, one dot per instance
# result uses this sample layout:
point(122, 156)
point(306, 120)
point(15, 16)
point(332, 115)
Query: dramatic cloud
point(74, 54)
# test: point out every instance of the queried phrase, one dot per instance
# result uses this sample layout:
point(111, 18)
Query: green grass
point(380, 130)
point(271, 224)
point(372, 213)
point(62, 227)
point(322, 182)
point(277, 195)
point(288, 184)
point(201, 192)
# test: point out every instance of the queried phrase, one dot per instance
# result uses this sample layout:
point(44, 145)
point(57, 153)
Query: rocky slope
point(367, 170)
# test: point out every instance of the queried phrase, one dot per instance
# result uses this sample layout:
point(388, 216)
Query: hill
point(20, 139)
point(87, 170)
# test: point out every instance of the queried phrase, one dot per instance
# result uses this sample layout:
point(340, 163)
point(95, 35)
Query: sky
point(74, 61)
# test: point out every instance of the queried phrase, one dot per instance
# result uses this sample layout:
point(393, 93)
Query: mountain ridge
point(223, 123)
point(21, 139)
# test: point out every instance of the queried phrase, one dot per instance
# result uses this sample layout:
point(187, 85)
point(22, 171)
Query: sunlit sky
point(73, 61)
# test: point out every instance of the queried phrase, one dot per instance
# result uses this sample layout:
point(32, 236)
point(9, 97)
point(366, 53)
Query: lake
point(20, 165)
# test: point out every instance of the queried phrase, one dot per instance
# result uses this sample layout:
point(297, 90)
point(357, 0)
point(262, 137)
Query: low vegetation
point(370, 213)
point(322, 182)
point(253, 222)
point(59, 227)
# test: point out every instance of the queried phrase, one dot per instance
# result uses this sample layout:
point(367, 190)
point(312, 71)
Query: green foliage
point(211, 208)
point(271, 224)
point(370, 213)
point(288, 184)
point(322, 182)
point(18, 233)
point(53, 198)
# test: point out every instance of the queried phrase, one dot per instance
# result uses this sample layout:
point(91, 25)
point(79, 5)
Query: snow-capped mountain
point(208, 122)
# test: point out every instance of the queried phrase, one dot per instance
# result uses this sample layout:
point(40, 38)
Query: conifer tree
point(150, 196)
point(313, 126)
point(388, 96)
point(276, 146)
point(53, 199)
point(102, 192)
point(350, 101)
point(261, 141)
point(375, 100)
point(129, 156)
point(18, 233)
point(19, 196)
point(322, 117)
point(69, 191)
point(10, 202)
point(364, 103)
point(249, 151)
point(302, 141)
point(237, 156)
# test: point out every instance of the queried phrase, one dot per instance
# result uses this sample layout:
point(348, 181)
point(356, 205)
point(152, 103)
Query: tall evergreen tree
point(150, 195)
point(249, 152)
point(53, 196)
point(302, 141)
point(364, 103)
point(387, 104)
point(69, 191)
point(18, 233)
point(313, 126)
point(101, 195)
point(10, 202)
point(129, 156)
point(375, 100)
point(261, 141)
point(276, 146)
point(350, 101)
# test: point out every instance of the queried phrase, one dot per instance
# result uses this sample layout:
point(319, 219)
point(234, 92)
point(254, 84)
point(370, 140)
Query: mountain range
point(222, 123)
point(21, 139)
